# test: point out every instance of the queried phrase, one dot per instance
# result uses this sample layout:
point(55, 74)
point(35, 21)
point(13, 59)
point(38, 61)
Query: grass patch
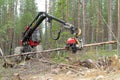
point(91, 54)
point(59, 58)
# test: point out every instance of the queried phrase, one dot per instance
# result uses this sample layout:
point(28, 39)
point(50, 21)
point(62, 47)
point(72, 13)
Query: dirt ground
point(87, 75)
point(39, 69)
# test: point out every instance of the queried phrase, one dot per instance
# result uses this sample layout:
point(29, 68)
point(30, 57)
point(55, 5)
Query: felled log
point(60, 49)
point(45, 51)
point(101, 43)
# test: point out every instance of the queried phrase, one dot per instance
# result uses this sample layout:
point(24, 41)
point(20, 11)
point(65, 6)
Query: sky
point(41, 4)
point(41, 7)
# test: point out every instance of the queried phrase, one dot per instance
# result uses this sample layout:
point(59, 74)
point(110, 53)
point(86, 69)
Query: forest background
point(98, 20)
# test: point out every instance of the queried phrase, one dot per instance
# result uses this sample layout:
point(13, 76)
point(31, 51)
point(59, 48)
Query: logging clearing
point(85, 69)
point(59, 39)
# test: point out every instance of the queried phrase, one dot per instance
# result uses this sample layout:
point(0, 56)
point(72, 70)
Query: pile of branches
point(103, 63)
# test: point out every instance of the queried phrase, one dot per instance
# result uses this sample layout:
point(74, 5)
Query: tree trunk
point(110, 23)
point(46, 28)
point(78, 14)
point(118, 44)
point(84, 20)
point(67, 11)
point(10, 36)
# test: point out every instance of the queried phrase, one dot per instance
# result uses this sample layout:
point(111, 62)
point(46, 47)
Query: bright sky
point(41, 4)
point(41, 7)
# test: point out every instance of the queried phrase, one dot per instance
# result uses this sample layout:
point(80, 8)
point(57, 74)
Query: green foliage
point(105, 10)
point(1, 2)
point(94, 54)
point(60, 8)
point(28, 12)
point(11, 18)
point(59, 58)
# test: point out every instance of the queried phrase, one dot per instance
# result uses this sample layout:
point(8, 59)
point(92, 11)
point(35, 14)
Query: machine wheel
point(18, 50)
point(74, 48)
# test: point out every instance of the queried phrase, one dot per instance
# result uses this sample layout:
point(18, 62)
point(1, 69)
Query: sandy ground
point(36, 69)
point(90, 74)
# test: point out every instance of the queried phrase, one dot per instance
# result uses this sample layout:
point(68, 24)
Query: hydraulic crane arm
point(38, 20)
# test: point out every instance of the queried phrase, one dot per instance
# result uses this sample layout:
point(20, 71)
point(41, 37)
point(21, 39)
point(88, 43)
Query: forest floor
point(44, 69)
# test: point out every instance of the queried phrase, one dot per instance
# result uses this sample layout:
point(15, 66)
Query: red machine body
point(34, 39)
point(31, 43)
point(71, 44)
point(71, 41)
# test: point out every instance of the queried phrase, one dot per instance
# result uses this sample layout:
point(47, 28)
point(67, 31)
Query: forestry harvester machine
point(31, 36)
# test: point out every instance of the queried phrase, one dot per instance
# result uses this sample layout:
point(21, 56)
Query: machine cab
point(35, 38)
